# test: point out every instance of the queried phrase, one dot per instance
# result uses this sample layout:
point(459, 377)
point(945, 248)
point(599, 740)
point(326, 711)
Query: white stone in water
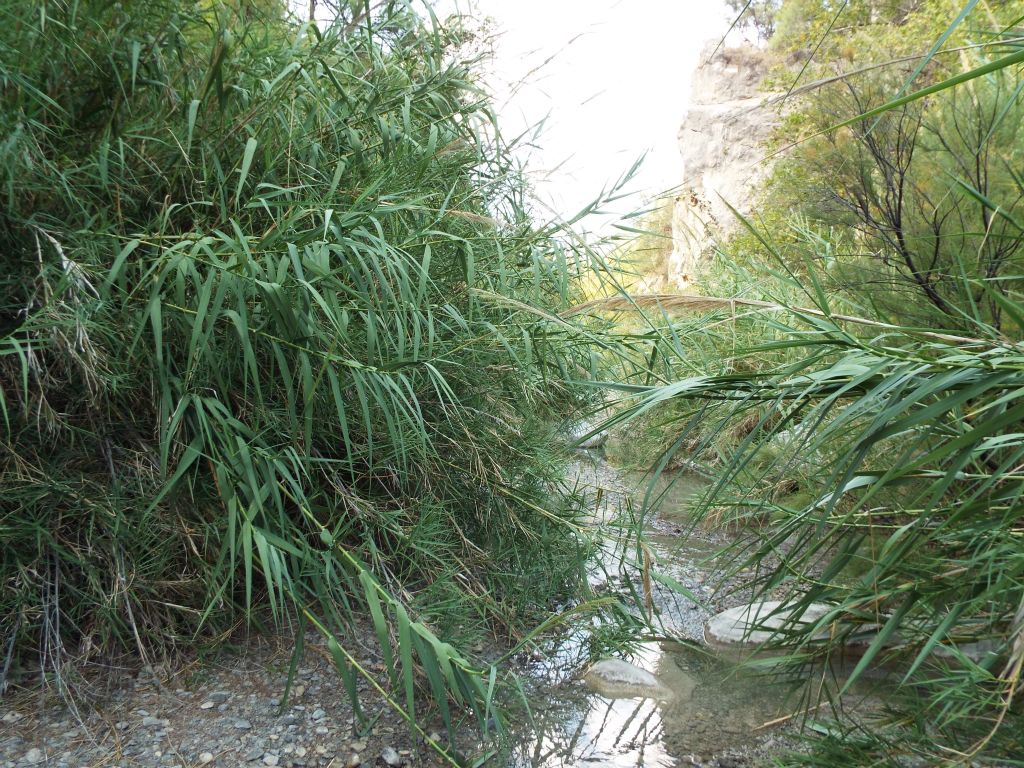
point(975, 652)
point(618, 679)
point(594, 441)
point(735, 626)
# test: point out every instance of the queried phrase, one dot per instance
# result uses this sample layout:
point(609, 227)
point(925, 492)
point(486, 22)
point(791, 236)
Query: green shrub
point(263, 344)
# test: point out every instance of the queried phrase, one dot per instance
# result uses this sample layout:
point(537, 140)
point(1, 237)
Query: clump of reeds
point(244, 366)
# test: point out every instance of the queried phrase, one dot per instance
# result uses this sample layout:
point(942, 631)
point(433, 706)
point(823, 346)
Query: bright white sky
point(609, 79)
point(612, 77)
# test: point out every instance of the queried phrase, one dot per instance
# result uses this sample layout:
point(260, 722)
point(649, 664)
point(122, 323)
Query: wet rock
point(579, 431)
point(974, 652)
point(735, 627)
point(619, 679)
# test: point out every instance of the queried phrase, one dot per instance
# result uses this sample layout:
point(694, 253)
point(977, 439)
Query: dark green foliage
point(258, 340)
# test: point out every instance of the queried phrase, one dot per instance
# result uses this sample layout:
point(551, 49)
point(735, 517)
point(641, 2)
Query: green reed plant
point(277, 340)
point(877, 469)
point(908, 446)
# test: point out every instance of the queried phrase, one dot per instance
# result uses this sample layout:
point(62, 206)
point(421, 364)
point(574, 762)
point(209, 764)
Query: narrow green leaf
point(250, 150)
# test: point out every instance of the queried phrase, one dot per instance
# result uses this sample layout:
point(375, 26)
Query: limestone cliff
point(720, 140)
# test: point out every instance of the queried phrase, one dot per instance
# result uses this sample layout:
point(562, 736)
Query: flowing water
point(715, 707)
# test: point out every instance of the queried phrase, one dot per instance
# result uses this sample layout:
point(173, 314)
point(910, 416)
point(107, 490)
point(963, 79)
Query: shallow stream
point(716, 708)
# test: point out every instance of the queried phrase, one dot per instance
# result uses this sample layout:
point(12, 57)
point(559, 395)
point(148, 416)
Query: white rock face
point(617, 679)
point(732, 628)
point(720, 141)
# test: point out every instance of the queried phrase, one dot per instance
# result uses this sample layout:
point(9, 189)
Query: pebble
point(218, 697)
point(152, 722)
point(11, 717)
point(207, 705)
point(33, 756)
point(205, 757)
point(242, 724)
point(391, 757)
point(321, 730)
point(353, 760)
point(270, 759)
point(319, 714)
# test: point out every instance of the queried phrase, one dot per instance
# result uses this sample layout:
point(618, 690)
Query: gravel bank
point(225, 714)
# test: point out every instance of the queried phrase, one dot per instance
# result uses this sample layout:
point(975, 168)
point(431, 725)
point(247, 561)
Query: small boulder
point(617, 679)
point(975, 652)
point(735, 627)
point(579, 431)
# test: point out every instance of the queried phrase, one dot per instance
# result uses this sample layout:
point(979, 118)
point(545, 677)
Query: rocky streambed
point(228, 712)
point(670, 703)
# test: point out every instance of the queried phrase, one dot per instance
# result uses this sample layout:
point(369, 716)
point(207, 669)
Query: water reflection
point(716, 705)
point(606, 732)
